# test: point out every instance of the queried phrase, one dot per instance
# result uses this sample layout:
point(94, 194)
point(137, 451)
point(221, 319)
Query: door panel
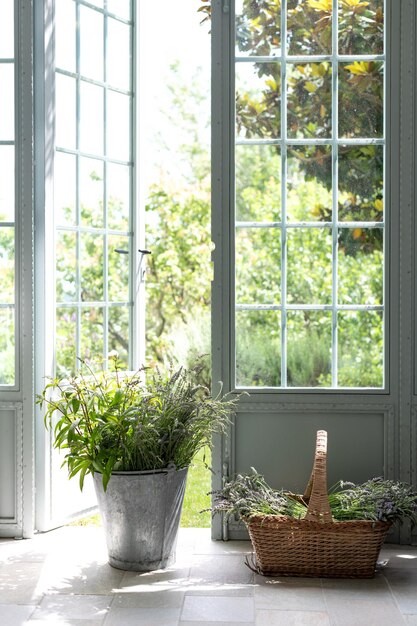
point(318, 340)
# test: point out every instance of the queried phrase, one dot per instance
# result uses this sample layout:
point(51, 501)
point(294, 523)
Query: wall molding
point(13, 526)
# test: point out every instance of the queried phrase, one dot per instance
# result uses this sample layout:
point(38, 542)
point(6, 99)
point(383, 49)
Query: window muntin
point(8, 343)
point(309, 198)
point(93, 182)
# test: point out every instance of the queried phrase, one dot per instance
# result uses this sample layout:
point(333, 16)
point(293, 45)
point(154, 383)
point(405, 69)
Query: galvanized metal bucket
point(141, 514)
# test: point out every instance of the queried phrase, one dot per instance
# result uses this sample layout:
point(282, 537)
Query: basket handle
point(316, 491)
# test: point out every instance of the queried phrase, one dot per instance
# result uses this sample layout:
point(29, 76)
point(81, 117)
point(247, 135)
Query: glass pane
point(91, 192)
point(7, 184)
point(65, 135)
point(91, 43)
point(360, 266)
point(309, 351)
point(309, 26)
point(122, 8)
point(258, 26)
point(92, 267)
point(309, 183)
point(361, 27)
point(92, 334)
point(7, 29)
point(258, 183)
point(258, 348)
point(7, 346)
point(258, 265)
point(118, 196)
point(97, 3)
point(7, 269)
point(258, 100)
point(66, 341)
point(91, 118)
point(7, 101)
point(361, 192)
point(309, 276)
point(361, 99)
point(118, 279)
point(118, 126)
point(64, 188)
point(309, 100)
point(118, 54)
point(65, 32)
point(360, 350)
point(119, 332)
point(66, 266)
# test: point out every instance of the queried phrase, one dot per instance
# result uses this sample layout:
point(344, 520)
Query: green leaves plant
point(108, 421)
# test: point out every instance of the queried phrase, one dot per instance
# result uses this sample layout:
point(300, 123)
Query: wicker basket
point(316, 545)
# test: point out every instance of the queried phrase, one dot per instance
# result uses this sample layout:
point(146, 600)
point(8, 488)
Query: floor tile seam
point(283, 610)
point(394, 598)
point(107, 610)
point(182, 605)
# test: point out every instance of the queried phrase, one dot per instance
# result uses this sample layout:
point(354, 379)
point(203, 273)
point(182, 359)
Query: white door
point(311, 126)
point(88, 303)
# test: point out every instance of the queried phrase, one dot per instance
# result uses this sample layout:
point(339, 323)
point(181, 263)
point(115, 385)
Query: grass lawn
point(196, 498)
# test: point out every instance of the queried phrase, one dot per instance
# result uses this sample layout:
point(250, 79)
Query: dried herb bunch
point(376, 499)
point(249, 495)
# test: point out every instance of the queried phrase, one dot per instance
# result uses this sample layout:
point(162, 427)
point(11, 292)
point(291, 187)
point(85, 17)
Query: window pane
point(309, 26)
point(360, 266)
point(66, 341)
point(92, 267)
point(66, 265)
point(258, 100)
point(361, 99)
point(92, 334)
point(361, 27)
point(7, 101)
point(361, 193)
point(118, 126)
point(118, 54)
point(91, 192)
point(118, 196)
point(91, 118)
point(65, 188)
point(258, 183)
point(65, 119)
point(309, 278)
point(7, 260)
point(119, 332)
point(309, 183)
point(91, 43)
point(258, 265)
point(122, 8)
point(258, 28)
point(309, 100)
point(360, 349)
point(65, 35)
point(7, 29)
point(7, 345)
point(118, 269)
point(309, 354)
point(7, 184)
point(258, 349)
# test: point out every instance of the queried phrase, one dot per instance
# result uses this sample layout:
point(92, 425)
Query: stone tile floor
point(63, 578)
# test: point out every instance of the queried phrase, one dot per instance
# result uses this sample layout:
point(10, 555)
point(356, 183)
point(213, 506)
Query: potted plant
point(136, 433)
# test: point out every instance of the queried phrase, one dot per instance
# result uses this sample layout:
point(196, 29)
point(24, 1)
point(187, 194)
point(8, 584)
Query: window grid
point(335, 225)
point(9, 335)
point(78, 153)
